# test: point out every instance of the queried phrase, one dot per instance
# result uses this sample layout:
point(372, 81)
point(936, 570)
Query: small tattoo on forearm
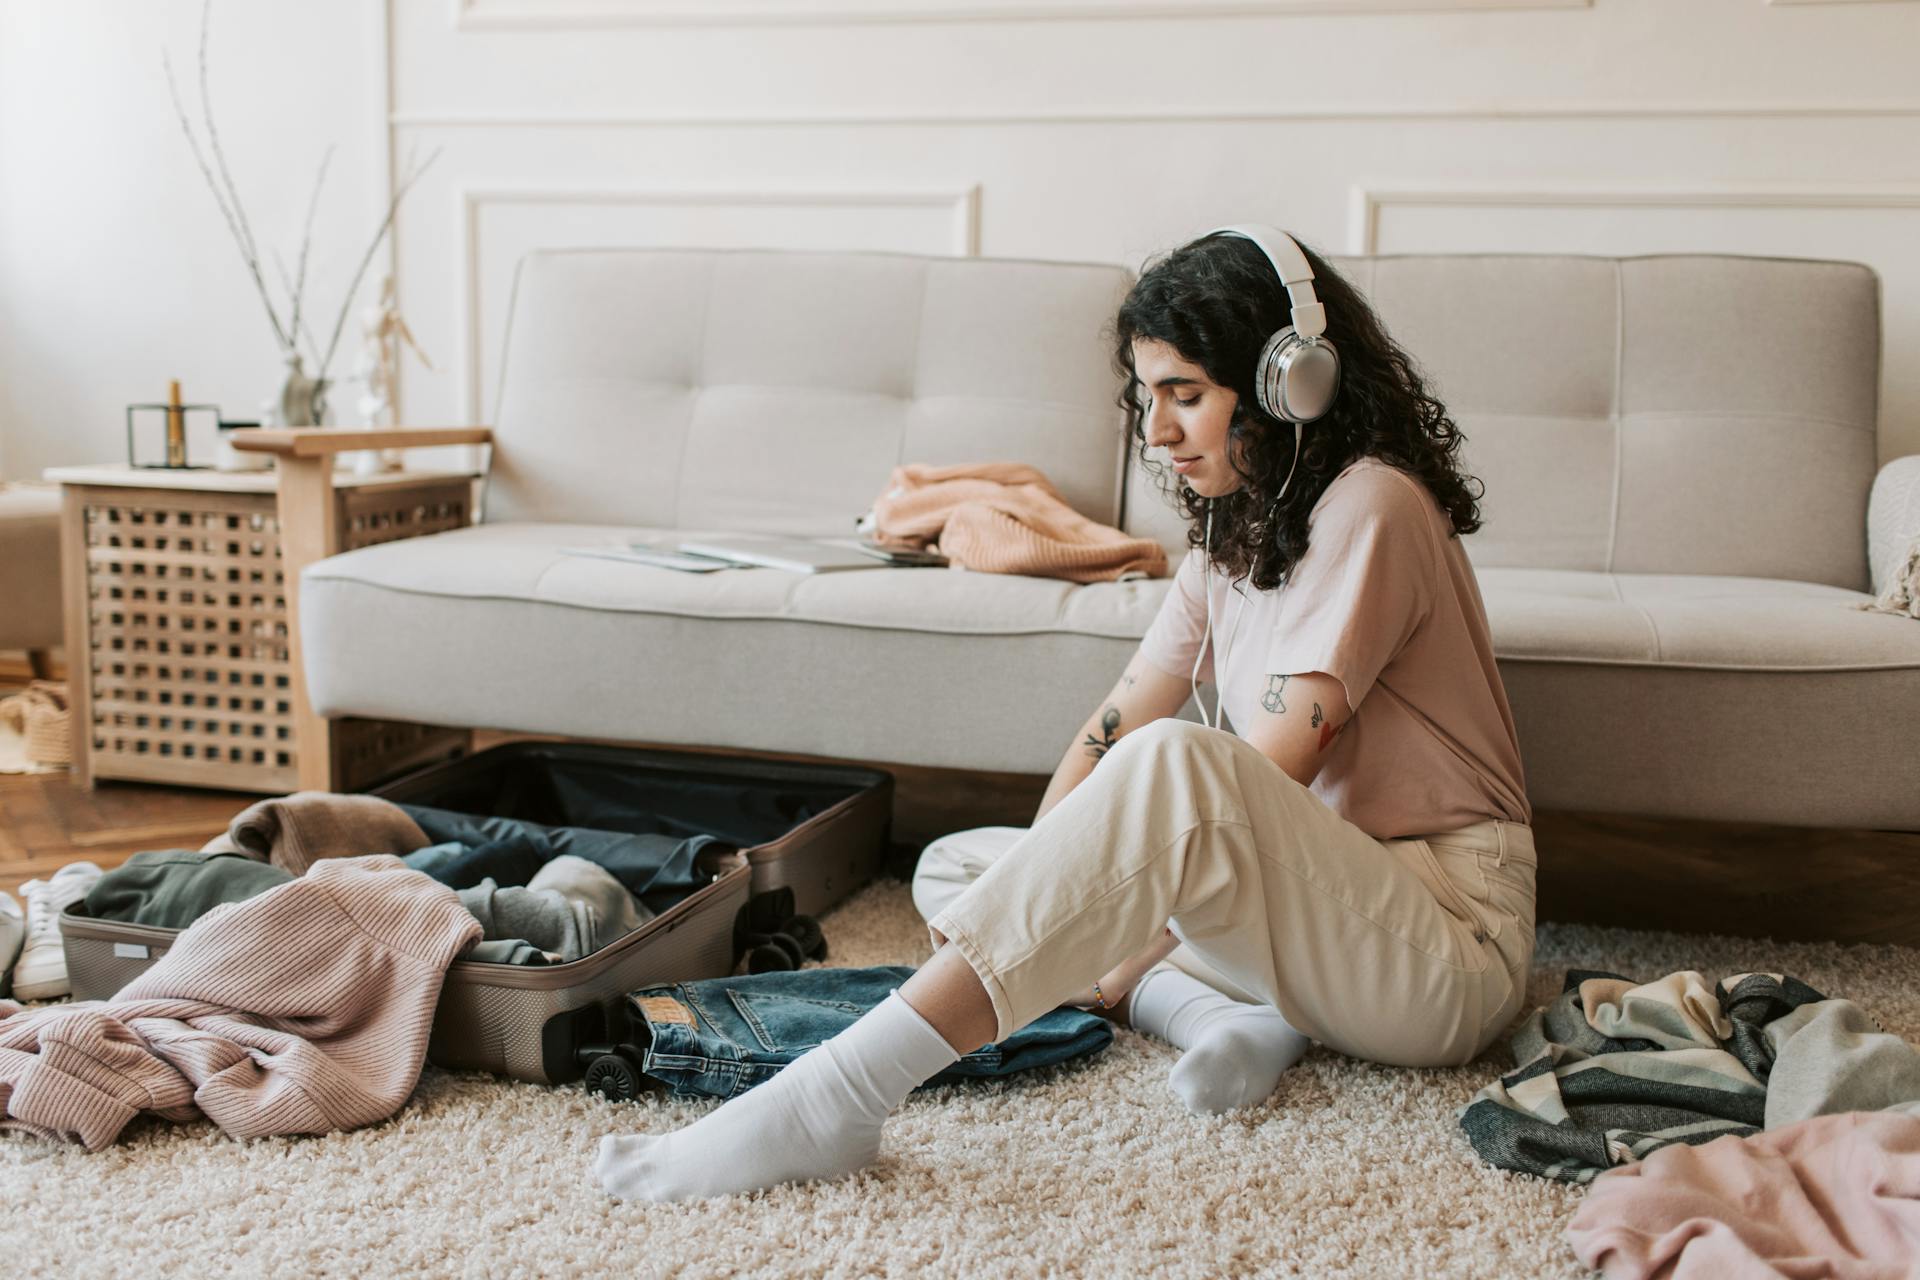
point(1271, 699)
point(1110, 730)
point(1328, 731)
point(1129, 678)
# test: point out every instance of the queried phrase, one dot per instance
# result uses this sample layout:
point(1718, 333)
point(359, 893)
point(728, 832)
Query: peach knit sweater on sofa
point(1006, 517)
point(304, 1010)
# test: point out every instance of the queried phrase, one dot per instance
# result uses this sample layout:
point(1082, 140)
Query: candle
point(176, 427)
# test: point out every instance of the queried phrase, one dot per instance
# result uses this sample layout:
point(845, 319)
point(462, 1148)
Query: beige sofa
point(1679, 455)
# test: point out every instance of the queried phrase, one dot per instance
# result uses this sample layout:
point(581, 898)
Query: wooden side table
point(182, 622)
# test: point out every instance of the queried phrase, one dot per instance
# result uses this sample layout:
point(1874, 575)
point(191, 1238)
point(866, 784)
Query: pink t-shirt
point(1385, 601)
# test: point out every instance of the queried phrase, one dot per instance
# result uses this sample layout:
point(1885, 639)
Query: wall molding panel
point(1111, 130)
point(952, 214)
point(1360, 112)
point(529, 15)
point(1367, 202)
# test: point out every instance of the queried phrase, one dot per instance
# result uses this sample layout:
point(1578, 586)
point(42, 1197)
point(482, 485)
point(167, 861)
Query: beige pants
point(1412, 951)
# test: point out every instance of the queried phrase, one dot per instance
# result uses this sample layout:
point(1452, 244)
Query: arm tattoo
point(1318, 715)
point(1271, 698)
point(1109, 729)
point(1329, 730)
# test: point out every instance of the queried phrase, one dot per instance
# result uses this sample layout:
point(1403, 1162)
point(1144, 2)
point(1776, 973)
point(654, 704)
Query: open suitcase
point(820, 830)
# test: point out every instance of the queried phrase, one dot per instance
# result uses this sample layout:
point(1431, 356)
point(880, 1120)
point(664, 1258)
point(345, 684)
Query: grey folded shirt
point(570, 909)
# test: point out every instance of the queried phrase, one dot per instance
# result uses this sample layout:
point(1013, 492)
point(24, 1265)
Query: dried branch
point(219, 198)
point(386, 224)
point(306, 330)
point(213, 135)
point(299, 286)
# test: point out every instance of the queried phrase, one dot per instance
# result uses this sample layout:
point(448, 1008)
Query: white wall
point(1082, 129)
point(116, 271)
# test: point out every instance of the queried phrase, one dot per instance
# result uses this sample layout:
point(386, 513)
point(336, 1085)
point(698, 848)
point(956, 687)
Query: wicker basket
point(42, 716)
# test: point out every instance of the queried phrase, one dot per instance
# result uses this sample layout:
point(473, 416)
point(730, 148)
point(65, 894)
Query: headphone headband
point(1290, 264)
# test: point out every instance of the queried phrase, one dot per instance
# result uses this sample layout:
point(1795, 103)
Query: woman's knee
point(951, 864)
point(1166, 737)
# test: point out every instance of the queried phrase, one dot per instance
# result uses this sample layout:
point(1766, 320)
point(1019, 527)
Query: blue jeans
point(722, 1036)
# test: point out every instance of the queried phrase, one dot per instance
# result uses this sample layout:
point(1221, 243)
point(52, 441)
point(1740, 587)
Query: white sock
point(819, 1117)
point(1235, 1052)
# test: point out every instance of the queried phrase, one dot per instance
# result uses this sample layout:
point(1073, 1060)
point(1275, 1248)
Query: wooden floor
point(46, 822)
point(1751, 880)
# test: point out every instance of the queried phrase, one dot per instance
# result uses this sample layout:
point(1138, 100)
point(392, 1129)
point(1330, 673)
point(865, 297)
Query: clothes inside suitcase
point(758, 805)
point(820, 829)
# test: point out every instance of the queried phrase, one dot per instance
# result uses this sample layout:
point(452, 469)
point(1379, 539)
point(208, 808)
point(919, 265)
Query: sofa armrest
point(315, 442)
point(1893, 517)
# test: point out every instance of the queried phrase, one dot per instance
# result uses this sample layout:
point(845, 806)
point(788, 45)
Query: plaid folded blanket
point(1613, 1070)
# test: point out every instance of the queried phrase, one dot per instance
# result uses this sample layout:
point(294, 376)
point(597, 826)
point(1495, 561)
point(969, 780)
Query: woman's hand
point(1123, 977)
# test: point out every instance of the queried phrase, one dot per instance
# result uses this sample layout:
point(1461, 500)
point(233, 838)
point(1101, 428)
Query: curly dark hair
point(1216, 301)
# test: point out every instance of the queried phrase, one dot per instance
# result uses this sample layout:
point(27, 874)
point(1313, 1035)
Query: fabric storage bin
point(824, 827)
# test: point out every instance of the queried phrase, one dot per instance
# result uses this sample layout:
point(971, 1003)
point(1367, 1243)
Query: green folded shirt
point(171, 888)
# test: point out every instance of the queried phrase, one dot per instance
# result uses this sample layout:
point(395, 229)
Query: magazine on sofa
point(795, 555)
point(736, 551)
point(659, 555)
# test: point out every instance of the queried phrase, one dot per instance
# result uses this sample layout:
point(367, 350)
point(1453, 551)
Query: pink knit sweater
point(304, 1010)
point(1006, 517)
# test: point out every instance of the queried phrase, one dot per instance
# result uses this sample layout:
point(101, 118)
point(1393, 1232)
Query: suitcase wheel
point(773, 953)
point(806, 931)
point(614, 1077)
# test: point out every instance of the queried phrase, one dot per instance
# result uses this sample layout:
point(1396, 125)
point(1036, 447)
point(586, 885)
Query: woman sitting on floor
point(1365, 880)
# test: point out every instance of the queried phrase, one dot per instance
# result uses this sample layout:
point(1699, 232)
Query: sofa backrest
point(773, 391)
point(1676, 414)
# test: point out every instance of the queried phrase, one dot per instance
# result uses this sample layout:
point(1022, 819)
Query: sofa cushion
point(1704, 697)
point(1671, 414)
point(495, 626)
point(1723, 699)
point(530, 562)
point(774, 391)
point(1685, 620)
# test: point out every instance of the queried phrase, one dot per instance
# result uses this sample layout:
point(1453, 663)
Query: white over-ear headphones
point(1298, 372)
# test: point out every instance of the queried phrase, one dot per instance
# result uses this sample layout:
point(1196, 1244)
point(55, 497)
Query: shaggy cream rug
point(1092, 1168)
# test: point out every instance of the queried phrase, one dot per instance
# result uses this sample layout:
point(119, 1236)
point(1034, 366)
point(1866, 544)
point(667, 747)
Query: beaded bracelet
point(1098, 998)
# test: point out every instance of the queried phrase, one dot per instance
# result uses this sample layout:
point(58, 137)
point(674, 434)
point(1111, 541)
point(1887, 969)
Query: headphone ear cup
point(1308, 378)
point(1270, 371)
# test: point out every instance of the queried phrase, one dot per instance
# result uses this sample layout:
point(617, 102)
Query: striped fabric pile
point(1614, 1070)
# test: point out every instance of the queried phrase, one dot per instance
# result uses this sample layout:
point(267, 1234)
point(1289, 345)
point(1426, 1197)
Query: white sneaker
point(42, 971)
point(13, 931)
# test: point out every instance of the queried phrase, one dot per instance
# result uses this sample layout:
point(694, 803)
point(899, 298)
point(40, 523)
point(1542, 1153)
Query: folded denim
point(659, 870)
point(514, 860)
point(722, 1036)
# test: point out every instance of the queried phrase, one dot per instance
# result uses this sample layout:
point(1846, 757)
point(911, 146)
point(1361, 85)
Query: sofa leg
point(40, 664)
point(318, 757)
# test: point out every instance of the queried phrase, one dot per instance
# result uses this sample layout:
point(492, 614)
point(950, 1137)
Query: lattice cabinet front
point(187, 633)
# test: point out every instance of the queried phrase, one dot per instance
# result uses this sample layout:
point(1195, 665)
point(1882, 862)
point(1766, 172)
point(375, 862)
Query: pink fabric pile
point(304, 1010)
point(1006, 517)
point(1836, 1196)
